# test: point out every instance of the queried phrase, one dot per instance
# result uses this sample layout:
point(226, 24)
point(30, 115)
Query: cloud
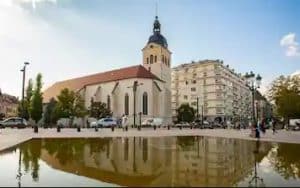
point(289, 42)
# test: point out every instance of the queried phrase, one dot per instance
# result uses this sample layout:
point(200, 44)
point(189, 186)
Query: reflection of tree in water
point(66, 151)
point(286, 161)
point(185, 142)
point(31, 152)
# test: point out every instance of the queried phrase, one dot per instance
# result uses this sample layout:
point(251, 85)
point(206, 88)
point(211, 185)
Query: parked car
point(14, 122)
point(152, 122)
point(207, 125)
point(106, 122)
point(182, 124)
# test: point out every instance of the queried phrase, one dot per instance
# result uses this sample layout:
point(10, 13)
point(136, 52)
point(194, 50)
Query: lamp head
point(26, 63)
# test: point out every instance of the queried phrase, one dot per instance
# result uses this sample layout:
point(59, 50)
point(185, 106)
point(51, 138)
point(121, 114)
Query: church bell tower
point(156, 55)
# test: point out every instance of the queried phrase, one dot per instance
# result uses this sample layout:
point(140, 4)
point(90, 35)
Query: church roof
point(76, 84)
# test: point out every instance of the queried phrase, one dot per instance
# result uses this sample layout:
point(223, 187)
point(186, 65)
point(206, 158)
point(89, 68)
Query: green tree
point(185, 113)
point(99, 110)
point(50, 117)
point(285, 94)
point(69, 104)
point(36, 103)
point(27, 101)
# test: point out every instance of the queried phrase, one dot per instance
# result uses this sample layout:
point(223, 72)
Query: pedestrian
point(263, 128)
point(257, 132)
point(273, 126)
point(124, 121)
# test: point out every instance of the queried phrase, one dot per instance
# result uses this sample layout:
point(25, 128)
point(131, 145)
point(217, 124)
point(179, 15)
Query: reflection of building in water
point(166, 161)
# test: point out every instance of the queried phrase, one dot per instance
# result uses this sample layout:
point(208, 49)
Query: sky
point(63, 39)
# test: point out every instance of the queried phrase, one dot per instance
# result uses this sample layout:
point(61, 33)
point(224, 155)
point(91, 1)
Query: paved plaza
point(12, 137)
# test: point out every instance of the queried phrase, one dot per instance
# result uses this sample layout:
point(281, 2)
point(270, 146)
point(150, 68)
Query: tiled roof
point(76, 84)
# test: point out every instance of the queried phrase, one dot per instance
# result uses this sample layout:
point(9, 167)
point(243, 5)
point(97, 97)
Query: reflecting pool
point(138, 161)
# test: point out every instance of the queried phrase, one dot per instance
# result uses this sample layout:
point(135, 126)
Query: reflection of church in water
point(166, 161)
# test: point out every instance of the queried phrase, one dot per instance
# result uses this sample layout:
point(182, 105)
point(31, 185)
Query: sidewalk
point(12, 137)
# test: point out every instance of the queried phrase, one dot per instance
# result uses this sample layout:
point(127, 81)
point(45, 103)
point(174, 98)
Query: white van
point(152, 122)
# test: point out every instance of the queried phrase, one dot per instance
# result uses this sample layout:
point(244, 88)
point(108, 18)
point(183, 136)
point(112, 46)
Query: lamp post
point(253, 84)
point(23, 87)
point(256, 179)
point(134, 87)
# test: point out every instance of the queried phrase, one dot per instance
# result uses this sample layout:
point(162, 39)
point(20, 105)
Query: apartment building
point(222, 93)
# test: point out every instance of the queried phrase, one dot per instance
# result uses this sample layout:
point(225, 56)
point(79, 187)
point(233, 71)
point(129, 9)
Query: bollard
point(36, 129)
point(78, 129)
point(154, 127)
point(58, 129)
point(180, 127)
point(126, 128)
point(139, 128)
point(96, 129)
point(191, 127)
point(168, 127)
point(112, 128)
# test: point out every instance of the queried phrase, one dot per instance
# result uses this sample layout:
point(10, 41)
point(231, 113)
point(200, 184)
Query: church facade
point(144, 89)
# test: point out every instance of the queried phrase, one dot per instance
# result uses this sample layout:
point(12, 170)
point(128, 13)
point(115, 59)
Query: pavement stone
point(12, 137)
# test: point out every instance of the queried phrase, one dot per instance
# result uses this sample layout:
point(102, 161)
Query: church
point(144, 89)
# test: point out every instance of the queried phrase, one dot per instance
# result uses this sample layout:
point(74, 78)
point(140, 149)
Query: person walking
point(273, 126)
point(257, 135)
point(124, 122)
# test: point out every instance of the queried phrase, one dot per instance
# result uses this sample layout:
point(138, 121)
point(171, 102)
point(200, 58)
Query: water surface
point(137, 161)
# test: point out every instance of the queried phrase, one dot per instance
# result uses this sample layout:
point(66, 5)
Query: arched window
point(145, 103)
point(108, 102)
point(126, 104)
point(151, 59)
point(162, 58)
point(155, 59)
point(147, 60)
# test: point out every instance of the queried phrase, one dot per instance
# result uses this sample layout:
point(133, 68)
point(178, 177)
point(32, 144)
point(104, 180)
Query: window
point(185, 97)
point(186, 82)
point(162, 58)
point(126, 102)
point(194, 103)
point(151, 59)
point(145, 103)
point(204, 74)
point(147, 60)
point(194, 75)
point(194, 81)
point(204, 82)
point(193, 89)
point(108, 102)
point(155, 59)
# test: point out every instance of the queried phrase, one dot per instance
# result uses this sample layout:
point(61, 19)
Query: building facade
point(8, 105)
point(222, 94)
point(143, 89)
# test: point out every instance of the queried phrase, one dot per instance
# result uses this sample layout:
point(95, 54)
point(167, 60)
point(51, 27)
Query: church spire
point(156, 25)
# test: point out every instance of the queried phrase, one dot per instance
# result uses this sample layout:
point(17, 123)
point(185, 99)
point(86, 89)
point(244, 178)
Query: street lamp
point(253, 84)
point(134, 87)
point(23, 85)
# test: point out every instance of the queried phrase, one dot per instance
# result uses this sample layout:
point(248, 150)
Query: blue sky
point(68, 38)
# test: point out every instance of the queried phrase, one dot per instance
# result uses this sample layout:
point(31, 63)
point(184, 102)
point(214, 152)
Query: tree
point(285, 94)
point(185, 113)
point(36, 103)
point(49, 115)
point(69, 104)
point(27, 101)
point(99, 110)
